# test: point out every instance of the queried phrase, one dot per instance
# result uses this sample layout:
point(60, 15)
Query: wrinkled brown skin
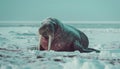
point(64, 37)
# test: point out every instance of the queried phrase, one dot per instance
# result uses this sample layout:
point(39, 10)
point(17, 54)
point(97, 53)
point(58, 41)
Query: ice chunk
point(92, 65)
point(105, 55)
point(109, 66)
point(76, 63)
point(116, 55)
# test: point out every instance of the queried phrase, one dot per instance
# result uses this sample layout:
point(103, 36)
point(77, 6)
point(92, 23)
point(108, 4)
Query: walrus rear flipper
point(78, 46)
point(91, 50)
point(87, 50)
point(97, 51)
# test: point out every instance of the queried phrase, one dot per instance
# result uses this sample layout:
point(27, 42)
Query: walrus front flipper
point(41, 48)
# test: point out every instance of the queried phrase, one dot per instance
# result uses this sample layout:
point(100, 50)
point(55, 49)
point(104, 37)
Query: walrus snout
point(49, 36)
point(47, 31)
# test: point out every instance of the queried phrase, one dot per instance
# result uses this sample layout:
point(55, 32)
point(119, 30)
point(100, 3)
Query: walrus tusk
point(39, 42)
point(49, 42)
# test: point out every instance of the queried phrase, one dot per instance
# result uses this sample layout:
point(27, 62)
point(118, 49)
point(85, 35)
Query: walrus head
point(48, 28)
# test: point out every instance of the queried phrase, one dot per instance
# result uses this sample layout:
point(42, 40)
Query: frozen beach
point(17, 39)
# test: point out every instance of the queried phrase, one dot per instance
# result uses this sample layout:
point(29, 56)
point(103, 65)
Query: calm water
point(78, 25)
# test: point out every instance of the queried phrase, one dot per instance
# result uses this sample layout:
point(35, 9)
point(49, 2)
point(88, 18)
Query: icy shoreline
point(63, 60)
point(22, 38)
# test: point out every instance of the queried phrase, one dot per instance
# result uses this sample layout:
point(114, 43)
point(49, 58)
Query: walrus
point(54, 35)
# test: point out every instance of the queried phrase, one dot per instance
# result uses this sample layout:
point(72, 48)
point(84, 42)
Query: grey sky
point(68, 10)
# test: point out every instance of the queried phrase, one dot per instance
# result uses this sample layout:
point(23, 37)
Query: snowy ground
point(16, 41)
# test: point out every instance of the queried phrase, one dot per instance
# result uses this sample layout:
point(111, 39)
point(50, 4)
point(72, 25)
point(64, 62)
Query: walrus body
point(60, 37)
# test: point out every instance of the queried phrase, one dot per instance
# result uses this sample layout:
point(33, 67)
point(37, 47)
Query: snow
point(92, 65)
point(16, 52)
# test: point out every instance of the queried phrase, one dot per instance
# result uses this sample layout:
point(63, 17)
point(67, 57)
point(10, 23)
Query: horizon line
point(61, 21)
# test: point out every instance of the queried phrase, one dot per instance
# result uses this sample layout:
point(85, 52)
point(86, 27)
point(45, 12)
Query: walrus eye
point(55, 26)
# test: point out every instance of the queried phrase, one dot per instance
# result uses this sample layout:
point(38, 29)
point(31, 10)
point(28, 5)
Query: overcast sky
point(66, 10)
